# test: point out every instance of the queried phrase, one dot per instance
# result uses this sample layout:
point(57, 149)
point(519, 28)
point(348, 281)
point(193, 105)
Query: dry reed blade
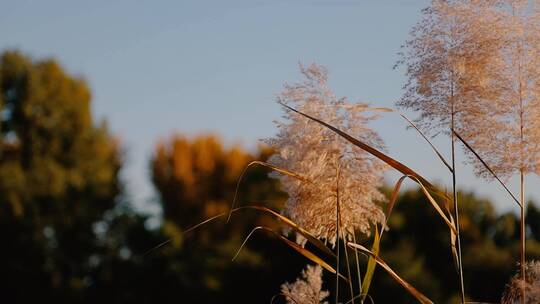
point(520, 203)
point(361, 295)
point(392, 202)
point(435, 205)
point(487, 167)
point(303, 251)
point(379, 109)
point(364, 288)
point(313, 240)
point(385, 158)
point(186, 231)
point(413, 291)
point(429, 142)
point(430, 198)
point(453, 237)
point(261, 163)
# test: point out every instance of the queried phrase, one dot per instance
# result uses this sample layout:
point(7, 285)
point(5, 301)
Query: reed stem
point(522, 232)
point(337, 231)
point(456, 211)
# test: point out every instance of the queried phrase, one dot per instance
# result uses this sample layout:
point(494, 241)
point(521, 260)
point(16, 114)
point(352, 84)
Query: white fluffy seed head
point(476, 65)
point(315, 152)
point(307, 288)
point(530, 286)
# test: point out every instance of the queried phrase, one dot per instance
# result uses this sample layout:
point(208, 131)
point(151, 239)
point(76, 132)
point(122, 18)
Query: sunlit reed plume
point(505, 130)
point(307, 288)
point(447, 61)
point(531, 285)
point(313, 151)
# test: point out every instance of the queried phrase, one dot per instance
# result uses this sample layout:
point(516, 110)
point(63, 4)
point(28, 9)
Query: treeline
point(70, 235)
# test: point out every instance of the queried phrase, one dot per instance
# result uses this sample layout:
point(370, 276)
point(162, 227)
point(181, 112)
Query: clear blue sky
point(156, 67)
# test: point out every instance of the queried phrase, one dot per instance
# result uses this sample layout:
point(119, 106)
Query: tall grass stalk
point(520, 203)
point(338, 222)
point(522, 231)
point(338, 212)
point(358, 273)
point(456, 210)
point(452, 170)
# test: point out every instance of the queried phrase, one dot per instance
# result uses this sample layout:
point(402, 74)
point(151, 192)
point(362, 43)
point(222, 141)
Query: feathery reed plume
point(313, 151)
point(451, 52)
point(510, 114)
point(446, 61)
point(530, 283)
point(307, 288)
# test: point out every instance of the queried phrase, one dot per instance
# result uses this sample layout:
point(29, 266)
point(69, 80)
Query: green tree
point(58, 176)
point(196, 179)
point(416, 247)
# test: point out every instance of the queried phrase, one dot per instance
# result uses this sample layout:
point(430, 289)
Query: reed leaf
point(185, 231)
point(303, 251)
point(370, 271)
point(359, 296)
point(313, 240)
point(392, 202)
point(380, 109)
point(448, 220)
point(433, 203)
point(413, 291)
point(453, 240)
point(264, 164)
point(385, 158)
point(429, 142)
point(487, 167)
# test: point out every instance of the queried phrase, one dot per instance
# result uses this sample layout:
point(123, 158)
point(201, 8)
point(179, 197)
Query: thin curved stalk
point(313, 240)
point(413, 291)
point(303, 251)
point(265, 164)
point(456, 211)
point(361, 295)
point(385, 158)
point(488, 168)
point(429, 142)
point(393, 200)
point(370, 269)
point(358, 273)
point(338, 221)
point(340, 230)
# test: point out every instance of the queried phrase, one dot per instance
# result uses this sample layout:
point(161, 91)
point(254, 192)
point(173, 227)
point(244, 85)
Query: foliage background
point(70, 233)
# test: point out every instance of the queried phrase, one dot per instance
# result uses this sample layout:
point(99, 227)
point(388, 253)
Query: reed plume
point(505, 130)
point(446, 63)
point(530, 283)
point(307, 289)
point(313, 151)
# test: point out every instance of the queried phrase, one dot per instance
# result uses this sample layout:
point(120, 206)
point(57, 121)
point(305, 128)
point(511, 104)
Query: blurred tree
point(58, 175)
point(533, 220)
point(200, 262)
point(196, 179)
point(416, 247)
point(70, 237)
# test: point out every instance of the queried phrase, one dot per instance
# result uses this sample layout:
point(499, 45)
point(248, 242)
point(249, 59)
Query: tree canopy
point(58, 176)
